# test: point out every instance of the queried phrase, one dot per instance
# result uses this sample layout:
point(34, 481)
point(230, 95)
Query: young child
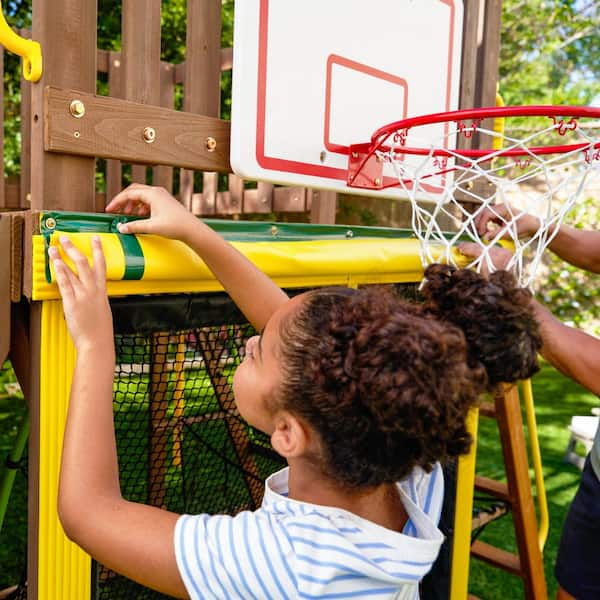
point(361, 392)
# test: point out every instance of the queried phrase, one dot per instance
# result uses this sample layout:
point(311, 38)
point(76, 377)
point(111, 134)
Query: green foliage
point(572, 294)
point(550, 51)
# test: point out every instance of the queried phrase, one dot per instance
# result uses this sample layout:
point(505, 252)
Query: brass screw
point(349, 234)
point(355, 155)
point(469, 185)
point(77, 134)
point(149, 135)
point(211, 144)
point(274, 230)
point(77, 109)
point(28, 197)
point(322, 156)
point(377, 181)
point(50, 223)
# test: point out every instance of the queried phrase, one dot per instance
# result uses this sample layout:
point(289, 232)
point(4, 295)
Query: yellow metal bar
point(463, 515)
point(64, 570)
point(536, 459)
point(171, 266)
point(28, 50)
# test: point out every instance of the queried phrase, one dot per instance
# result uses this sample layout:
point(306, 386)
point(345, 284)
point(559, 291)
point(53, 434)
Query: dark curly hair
point(385, 383)
point(495, 315)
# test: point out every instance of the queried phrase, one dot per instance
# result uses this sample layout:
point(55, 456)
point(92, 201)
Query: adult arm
point(130, 538)
point(257, 296)
point(572, 351)
point(578, 247)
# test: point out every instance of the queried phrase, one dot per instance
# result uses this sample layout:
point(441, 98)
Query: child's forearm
point(89, 469)
point(254, 292)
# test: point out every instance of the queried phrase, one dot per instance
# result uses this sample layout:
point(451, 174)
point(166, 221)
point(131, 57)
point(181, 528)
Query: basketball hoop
point(541, 167)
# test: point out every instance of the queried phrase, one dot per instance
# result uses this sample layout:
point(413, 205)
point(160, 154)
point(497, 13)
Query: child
point(361, 392)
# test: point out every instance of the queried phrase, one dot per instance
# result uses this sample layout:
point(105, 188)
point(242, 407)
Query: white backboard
point(311, 77)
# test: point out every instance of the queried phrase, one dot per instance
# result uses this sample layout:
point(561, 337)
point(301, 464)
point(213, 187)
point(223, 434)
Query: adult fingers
point(470, 249)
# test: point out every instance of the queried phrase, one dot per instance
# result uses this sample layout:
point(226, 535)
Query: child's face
point(257, 379)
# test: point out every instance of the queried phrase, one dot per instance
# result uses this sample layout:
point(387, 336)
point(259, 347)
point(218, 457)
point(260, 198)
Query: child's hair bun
point(495, 315)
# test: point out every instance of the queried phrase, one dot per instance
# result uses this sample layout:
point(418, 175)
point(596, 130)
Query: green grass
point(556, 398)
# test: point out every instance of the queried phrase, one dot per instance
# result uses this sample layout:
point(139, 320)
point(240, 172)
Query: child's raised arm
point(256, 295)
point(132, 539)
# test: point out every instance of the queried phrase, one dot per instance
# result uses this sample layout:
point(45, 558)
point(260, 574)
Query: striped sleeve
point(246, 556)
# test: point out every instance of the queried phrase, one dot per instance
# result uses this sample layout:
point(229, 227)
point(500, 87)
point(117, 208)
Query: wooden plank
point(498, 489)
point(497, 557)
point(289, 199)
point(25, 179)
point(487, 76)
point(323, 206)
point(16, 256)
point(259, 200)
point(226, 65)
point(202, 87)
point(516, 462)
point(487, 409)
point(114, 173)
point(5, 272)
point(60, 181)
point(113, 128)
point(141, 58)
point(163, 175)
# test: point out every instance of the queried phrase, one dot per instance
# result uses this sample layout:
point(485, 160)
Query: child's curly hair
point(387, 384)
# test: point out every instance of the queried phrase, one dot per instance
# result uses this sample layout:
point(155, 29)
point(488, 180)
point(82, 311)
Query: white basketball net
point(546, 186)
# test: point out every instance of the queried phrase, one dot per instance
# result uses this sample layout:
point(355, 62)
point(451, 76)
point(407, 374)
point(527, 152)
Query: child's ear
point(291, 436)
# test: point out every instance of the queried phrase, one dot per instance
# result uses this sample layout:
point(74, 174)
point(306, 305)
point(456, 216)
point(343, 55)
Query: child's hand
point(168, 217)
point(85, 303)
point(499, 258)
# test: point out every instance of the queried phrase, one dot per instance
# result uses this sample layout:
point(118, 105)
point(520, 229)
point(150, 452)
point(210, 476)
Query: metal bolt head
point(377, 181)
point(76, 134)
point(274, 230)
point(50, 223)
point(77, 109)
point(349, 234)
point(149, 135)
point(211, 144)
point(322, 156)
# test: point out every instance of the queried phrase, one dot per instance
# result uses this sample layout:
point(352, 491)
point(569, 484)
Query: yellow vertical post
point(463, 515)
point(64, 569)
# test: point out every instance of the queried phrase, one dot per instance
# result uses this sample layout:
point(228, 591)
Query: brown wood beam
point(114, 128)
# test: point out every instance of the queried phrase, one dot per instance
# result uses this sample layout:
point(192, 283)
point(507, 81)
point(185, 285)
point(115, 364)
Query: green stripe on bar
point(134, 257)
point(232, 231)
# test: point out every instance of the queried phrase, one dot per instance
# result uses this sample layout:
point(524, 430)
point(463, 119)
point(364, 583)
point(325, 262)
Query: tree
point(550, 51)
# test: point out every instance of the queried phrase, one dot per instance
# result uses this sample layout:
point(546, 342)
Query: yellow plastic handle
point(28, 50)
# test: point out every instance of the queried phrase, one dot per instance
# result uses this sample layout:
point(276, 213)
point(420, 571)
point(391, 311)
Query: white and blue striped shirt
point(291, 549)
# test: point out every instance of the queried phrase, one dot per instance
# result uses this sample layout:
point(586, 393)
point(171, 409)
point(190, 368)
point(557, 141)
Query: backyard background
point(550, 54)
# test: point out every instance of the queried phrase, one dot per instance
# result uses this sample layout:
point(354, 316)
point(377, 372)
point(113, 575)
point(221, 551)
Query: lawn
point(556, 398)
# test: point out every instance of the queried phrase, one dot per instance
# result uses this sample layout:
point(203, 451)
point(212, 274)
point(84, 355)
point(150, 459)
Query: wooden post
point(66, 30)
point(323, 206)
point(114, 180)
point(163, 175)
point(202, 86)
point(141, 58)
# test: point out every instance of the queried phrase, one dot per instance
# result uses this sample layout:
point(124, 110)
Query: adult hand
point(168, 217)
point(498, 217)
point(498, 258)
point(85, 303)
